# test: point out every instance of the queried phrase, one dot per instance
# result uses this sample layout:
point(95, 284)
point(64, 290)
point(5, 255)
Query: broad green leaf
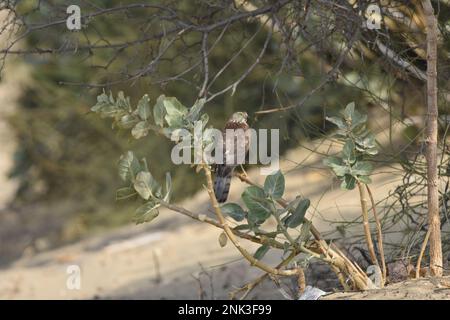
point(337, 165)
point(337, 121)
point(128, 166)
point(349, 182)
point(175, 112)
point(234, 211)
point(348, 151)
point(223, 239)
point(145, 185)
point(144, 107)
point(159, 111)
point(298, 215)
point(349, 111)
point(174, 121)
point(125, 193)
point(257, 204)
point(358, 119)
point(362, 168)
point(146, 212)
point(274, 185)
point(140, 130)
point(367, 142)
point(174, 107)
point(330, 161)
point(340, 171)
point(261, 252)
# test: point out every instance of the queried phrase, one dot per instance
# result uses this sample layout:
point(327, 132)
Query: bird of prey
point(241, 142)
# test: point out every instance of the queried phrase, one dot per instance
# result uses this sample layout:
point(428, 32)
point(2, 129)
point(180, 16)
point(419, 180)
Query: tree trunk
point(431, 141)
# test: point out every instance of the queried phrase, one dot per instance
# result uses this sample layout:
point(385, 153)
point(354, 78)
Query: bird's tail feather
point(222, 182)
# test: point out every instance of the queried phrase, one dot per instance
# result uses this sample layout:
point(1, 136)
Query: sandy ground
point(421, 289)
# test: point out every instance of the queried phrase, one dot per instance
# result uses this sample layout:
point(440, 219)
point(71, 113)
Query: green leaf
point(174, 107)
point(349, 111)
point(146, 212)
point(349, 182)
point(125, 193)
point(365, 142)
point(261, 252)
point(144, 107)
point(259, 207)
point(140, 130)
point(331, 161)
point(358, 119)
point(337, 121)
point(274, 185)
point(128, 166)
point(175, 112)
point(234, 211)
point(298, 215)
point(223, 239)
point(348, 151)
point(337, 165)
point(362, 168)
point(145, 185)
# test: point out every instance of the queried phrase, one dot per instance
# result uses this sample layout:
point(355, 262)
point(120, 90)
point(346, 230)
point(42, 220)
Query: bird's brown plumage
point(224, 172)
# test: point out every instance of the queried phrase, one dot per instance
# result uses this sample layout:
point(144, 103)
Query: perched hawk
point(232, 157)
